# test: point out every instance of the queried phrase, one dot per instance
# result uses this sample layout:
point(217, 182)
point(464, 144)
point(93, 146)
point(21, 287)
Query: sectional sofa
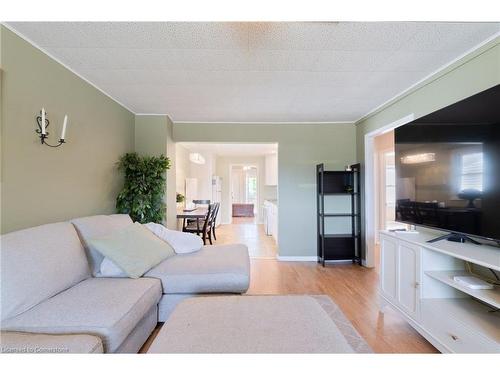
point(52, 295)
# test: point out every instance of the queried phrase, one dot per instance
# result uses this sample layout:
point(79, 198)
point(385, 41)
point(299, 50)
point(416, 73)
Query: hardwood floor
point(353, 288)
point(246, 230)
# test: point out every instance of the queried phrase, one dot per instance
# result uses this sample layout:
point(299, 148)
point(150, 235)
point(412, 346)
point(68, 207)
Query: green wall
point(300, 147)
point(471, 74)
point(153, 136)
point(41, 184)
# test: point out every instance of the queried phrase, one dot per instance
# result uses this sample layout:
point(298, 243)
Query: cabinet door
point(409, 278)
point(389, 267)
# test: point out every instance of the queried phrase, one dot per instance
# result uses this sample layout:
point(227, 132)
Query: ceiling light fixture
point(196, 158)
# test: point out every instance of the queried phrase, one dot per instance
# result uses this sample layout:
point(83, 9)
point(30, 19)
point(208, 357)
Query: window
point(471, 176)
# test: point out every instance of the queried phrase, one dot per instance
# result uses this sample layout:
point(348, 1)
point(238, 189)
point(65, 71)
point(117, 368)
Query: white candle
point(43, 121)
point(63, 133)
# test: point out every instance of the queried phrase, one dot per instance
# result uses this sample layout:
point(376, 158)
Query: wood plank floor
point(245, 230)
point(353, 288)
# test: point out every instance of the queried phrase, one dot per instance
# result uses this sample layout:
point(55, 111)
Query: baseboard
point(297, 258)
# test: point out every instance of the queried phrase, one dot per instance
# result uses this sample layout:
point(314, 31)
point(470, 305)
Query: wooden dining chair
point(197, 203)
point(202, 227)
point(216, 212)
point(201, 201)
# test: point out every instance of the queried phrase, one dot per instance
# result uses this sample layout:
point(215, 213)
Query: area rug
point(258, 324)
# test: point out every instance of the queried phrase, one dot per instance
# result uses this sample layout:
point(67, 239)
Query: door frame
point(369, 194)
point(230, 197)
point(380, 187)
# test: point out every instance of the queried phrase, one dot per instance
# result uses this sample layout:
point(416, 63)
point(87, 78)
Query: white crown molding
point(152, 114)
point(458, 61)
point(266, 122)
point(25, 38)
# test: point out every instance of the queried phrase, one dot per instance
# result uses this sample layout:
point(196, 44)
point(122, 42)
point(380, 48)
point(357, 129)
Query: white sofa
point(50, 285)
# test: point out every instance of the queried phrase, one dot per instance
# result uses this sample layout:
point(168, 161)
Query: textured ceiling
point(232, 149)
point(255, 72)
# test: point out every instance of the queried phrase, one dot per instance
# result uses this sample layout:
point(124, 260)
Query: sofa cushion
point(213, 269)
point(108, 308)
point(37, 263)
point(40, 343)
point(97, 226)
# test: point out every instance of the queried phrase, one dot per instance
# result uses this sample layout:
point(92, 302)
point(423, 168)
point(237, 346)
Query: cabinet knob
point(417, 284)
point(455, 338)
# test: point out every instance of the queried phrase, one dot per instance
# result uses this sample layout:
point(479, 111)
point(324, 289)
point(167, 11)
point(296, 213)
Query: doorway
point(243, 174)
point(244, 191)
point(371, 195)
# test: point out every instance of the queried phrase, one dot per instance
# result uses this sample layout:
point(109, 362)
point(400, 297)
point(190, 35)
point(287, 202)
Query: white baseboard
point(296, 258)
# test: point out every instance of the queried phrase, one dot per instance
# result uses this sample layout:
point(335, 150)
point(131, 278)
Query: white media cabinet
point(416, 279)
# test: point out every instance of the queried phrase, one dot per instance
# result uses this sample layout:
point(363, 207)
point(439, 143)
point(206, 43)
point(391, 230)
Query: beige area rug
point(258, 324)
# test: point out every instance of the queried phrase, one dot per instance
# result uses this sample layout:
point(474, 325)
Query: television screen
point(448, 168)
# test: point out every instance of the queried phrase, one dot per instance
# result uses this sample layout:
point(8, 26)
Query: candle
point(63, 133)
point(43, 121)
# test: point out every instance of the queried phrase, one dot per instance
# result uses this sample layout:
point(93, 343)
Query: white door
point(409, 278)
point(389, 268)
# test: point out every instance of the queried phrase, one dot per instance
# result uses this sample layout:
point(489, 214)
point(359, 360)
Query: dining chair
point(216, 212)
point(202, 227)
point(197, 203)
point(201, 201)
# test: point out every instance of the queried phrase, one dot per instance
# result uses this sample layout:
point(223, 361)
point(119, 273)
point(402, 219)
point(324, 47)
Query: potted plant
point(142, 196)
point(180, 200)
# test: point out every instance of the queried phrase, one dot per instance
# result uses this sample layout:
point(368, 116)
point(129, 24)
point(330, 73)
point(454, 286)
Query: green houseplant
point(144, 187)
point(179, 198)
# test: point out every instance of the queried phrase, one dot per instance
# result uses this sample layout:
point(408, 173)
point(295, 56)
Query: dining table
point(193, 214)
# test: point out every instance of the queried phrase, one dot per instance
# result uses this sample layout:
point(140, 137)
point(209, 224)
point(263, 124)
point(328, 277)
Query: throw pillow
point(134, 249)
point(182, 242)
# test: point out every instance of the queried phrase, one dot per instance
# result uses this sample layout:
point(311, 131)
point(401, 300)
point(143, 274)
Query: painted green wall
point(300, 147)
point(471, 74)
point(41, 184)
point(153, 136)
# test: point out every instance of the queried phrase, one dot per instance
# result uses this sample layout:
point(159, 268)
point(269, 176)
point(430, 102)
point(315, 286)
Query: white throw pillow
point(110, 269)
point(181, 242)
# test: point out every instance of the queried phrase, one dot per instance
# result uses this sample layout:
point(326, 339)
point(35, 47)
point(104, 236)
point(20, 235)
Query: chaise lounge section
point(52, 290)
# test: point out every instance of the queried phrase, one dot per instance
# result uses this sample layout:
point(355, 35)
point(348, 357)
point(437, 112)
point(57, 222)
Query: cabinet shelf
point(489, 296)
point(340, 235)
point(340, 193)
point(338, 215)
point(346, 245)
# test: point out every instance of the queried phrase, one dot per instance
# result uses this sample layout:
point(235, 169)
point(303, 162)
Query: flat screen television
point(448, 169)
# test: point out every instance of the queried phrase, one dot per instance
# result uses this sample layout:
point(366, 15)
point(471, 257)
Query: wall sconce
point(43, 123)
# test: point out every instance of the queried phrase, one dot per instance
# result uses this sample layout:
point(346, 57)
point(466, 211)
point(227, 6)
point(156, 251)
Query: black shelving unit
point(334, 242)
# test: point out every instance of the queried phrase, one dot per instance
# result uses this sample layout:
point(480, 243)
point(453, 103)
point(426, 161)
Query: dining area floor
point(246, 230)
